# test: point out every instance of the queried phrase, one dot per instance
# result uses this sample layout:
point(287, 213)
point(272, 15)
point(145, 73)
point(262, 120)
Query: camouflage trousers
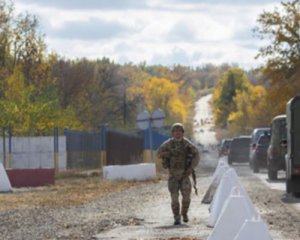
point(185, 187)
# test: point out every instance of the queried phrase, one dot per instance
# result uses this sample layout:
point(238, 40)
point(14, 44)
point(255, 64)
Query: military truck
point(277, 150)
point(293, 146)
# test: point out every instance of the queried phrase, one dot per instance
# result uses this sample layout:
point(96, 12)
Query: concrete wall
point(34, 152)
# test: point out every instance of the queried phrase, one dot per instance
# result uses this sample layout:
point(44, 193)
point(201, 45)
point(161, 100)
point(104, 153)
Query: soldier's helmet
point(175, 125)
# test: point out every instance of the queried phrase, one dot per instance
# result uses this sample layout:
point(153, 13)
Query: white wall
point(35, 152)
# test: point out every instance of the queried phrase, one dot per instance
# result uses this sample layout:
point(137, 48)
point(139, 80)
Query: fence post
point(4, 147)
point(9, 147)
point(56, 159)
point(103, 146)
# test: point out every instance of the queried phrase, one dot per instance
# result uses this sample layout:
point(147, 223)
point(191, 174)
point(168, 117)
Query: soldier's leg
point(173, 186)
point(186, 189)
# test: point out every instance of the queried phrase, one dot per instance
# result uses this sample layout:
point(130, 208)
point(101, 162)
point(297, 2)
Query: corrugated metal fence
point(78, 149)
point(83, 149)
point(123, 148)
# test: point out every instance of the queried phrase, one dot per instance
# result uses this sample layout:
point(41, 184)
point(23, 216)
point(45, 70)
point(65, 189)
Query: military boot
point(177, 220)
point(185, 218)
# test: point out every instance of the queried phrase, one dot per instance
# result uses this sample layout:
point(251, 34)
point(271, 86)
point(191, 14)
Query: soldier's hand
point(188, 172)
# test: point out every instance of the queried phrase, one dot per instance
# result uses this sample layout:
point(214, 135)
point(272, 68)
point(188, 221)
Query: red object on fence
point(31, 177)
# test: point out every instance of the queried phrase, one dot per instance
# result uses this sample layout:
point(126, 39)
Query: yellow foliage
point(165, 94)
point(178, 110)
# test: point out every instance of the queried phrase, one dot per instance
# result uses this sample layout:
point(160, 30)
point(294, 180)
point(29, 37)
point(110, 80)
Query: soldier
point(180, 157)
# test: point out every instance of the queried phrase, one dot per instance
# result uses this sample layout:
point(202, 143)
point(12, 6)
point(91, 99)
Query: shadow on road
point(173, 226)
point(289, 198)
point(278, 180)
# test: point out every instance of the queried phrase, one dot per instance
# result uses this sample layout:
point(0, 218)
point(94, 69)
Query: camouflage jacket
point(178, 156)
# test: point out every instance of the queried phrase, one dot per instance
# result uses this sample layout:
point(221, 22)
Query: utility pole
point(125, 103)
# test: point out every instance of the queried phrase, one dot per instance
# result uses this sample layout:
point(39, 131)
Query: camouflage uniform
point(180, 157)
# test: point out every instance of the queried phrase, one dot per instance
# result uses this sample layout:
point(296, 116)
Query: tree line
point(41, 90)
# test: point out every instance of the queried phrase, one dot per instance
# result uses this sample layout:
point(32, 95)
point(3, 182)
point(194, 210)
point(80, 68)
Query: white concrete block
point(141, 171)
point(228, 182)
point(217, 176)
point(253, 229)
point(233, 216)
point(5, 185)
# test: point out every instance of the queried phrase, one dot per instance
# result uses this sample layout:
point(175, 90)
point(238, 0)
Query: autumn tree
point(281, 28)
point(232, 82)
point(23, 110)
point(164, 94)
point(249, 105)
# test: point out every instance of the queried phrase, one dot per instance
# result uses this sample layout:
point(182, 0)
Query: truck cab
point(293, 146)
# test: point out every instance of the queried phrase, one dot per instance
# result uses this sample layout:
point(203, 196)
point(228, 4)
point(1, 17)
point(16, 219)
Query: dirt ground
point(90, 208)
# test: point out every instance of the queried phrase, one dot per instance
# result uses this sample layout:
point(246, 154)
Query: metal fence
point(123, 148)
point(83, 149)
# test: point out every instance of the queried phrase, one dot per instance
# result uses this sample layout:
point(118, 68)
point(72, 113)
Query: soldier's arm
point(195, 153)
point(164, 154)
point(163, 151)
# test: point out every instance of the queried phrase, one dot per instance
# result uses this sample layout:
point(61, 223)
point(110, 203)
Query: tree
point(248, 114)
point(282, 27)
point(232, 82)
point(23, 109)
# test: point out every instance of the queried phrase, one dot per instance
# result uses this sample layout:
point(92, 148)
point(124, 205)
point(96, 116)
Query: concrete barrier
point(232, 218)
point(141, 171)
point(229, 183)
point(4, 181)
point(222, 193)
point(31, 177)
point(253, 229)
point(221, 168)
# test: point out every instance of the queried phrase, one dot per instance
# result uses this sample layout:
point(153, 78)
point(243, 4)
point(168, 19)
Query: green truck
point(277, 149)
point(292, 157)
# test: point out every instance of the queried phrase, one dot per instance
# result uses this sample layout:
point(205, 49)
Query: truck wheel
point(296, 194)
point(255, 167)
point(251, 164)
point(272, 174)
point(288, 186)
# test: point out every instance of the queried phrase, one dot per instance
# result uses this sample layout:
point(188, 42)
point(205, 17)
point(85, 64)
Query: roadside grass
point(71, 188)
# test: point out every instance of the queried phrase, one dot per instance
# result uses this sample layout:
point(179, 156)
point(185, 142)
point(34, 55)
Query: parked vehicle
point(276, 150)
point(239, 149)
point(293, 146)
point(254, 138)
point(259, 159)
point(224, 147)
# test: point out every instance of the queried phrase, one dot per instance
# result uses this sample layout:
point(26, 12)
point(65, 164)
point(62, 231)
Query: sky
point(167, 32)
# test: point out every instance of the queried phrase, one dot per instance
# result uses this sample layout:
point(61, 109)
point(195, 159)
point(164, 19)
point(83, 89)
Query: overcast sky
point(168, 32)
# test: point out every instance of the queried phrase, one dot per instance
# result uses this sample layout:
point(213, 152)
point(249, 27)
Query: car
point(276, 150)
point(239, 149)
point(259, 158)
point(254, 138)
point(224, 147)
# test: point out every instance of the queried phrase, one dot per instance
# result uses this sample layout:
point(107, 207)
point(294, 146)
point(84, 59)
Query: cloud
point(187, 32)
point(87, 4)
point(92, 29)
point(181, 31)
point(226, 2)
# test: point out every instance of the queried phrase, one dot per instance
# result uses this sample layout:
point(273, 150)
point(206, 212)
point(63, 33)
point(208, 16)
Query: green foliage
point(23, 110)
point(232, 82)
